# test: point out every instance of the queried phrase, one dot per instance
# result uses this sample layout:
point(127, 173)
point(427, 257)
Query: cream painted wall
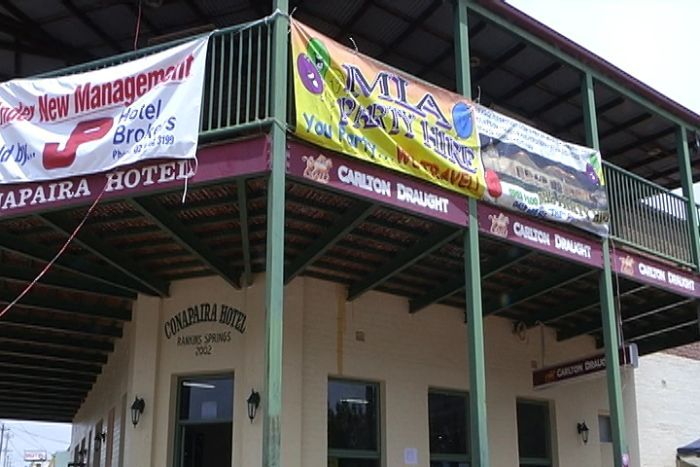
point(407, 354)
point(668, 403)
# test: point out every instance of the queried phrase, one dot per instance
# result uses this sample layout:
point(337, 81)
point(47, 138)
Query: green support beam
point(607, 299)
point(68, 308)
point(274, 259)
point(577, 306)
point(612, 356)
point(56, 341)
point(653, 331)
point(596, 326)
point(512, 256)
point(20, 382)
point(109, 254)
point(686, 173)
point(168, 221)
point(678, 338)
point(346, 223)
point(33, 350)
point(536, 288)
point(58, 280)
point(479, 445)
point(69, 262)
point(19, 322)
point(242, 192)
point(40, 363)
point(422, 248)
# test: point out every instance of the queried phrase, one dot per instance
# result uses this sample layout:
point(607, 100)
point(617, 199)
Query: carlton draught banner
point(350, 103)
point(355, 105)
point(95, 121)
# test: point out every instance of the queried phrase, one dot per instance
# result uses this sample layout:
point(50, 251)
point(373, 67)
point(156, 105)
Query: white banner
point(93, 122)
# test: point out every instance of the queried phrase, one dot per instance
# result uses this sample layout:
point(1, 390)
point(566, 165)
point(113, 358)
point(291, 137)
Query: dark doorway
point(205, 415)
point(207, 445)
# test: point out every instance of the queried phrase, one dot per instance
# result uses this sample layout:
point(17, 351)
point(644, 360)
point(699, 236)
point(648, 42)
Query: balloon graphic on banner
point(309, 74)
point(319, 55)
point(463, 119)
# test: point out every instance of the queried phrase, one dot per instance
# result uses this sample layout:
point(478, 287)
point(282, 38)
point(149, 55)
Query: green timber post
point(479, 445)
point(607, 298)
point(274, 261)
point(687, 183)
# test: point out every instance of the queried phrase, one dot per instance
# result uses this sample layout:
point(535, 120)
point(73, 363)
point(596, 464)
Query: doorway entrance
point(205, 421)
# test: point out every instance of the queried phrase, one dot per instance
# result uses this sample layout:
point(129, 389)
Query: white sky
point(656, 41)
point(49, 437)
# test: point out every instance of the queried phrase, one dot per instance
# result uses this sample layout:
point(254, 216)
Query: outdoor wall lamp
point(253, 404)
point(137, 409)
point(99, 439)
point(583, 430)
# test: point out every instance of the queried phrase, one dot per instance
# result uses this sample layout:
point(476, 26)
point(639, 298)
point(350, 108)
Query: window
point(204, 422)
point(605, 429)
point(448, 414)
point(353, 424)
point(534, 445)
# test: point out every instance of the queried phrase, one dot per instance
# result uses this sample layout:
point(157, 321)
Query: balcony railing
point(236, 94)
point(236, 100)
point(648, 216)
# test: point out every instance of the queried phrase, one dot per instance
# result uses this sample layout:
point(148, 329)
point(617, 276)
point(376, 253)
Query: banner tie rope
point(55, 258)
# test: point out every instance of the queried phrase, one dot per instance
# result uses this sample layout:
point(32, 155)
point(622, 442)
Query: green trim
point(346, 223)
point(590, 119)
point(70, 262)
point(609, 315)
point(686, 174)
point(513, 256)
point(612, 369)
point(574, 307)
point(644, 181)
point(256, 127)
point(451, 457)
point(548, 432)
point(167, 220)
point(274, 260)
point(558, 54)
point(111, 255)
point(178, 445)
point(241, 192)
point(132, 55)
point(361, 453)
point(422, 248)
point(593, 326)
point(479, 445)
point(538, 287)
point(353, 454)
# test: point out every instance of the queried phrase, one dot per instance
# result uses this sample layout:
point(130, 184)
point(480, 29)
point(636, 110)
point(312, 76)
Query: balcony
point(142, 242)
point(645, 216)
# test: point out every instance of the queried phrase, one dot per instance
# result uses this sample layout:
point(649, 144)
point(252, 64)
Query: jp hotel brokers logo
point(84, 132)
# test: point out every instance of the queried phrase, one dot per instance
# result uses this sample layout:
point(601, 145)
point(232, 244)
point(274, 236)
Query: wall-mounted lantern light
point(99, 439)
point(253, 404)
point(137, 409)
point(583, 430)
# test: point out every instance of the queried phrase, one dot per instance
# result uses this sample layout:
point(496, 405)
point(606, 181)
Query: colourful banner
point(86, 123)
point(355, 105)
point(532, 172)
